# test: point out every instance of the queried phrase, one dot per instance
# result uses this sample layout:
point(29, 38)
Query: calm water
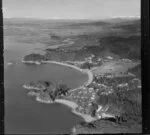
point(24, 115)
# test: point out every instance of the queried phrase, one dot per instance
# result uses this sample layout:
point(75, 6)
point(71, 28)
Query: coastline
point(31, 87)
point(73, 106)
point(87, 71)
point(43, 101)
point(70, 104)
point(31, 62)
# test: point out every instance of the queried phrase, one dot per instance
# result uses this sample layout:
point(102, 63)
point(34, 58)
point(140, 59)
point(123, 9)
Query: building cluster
point(83, 97)
point(92, 59)
point(86, 96)
point(105, 84)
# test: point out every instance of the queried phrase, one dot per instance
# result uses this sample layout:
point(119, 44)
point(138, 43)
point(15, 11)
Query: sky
point(70, 9)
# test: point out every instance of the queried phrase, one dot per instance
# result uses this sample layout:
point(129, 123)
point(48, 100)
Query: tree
point(62, 89)
point(93, 109)
point(86, 65)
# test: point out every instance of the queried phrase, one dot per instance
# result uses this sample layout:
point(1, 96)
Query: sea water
point(23, 114)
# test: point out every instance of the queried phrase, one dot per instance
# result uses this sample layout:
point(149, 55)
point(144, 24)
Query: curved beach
point(87, 71)
point(69, 103)
point(73, 106)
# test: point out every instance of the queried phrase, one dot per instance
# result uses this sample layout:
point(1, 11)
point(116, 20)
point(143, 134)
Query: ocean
point(23, 114)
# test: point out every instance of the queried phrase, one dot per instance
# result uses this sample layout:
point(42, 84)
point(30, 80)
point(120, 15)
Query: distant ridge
point(46, 20)
point(126, 17)
point(113, 17)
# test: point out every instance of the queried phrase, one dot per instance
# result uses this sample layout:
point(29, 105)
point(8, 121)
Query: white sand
point(73, 105)
point(68, 103)
point(31, 87)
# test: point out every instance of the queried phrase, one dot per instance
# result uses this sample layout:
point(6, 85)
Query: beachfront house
point(102, 112)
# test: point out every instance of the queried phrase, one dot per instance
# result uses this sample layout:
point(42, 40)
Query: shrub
point(86, 66)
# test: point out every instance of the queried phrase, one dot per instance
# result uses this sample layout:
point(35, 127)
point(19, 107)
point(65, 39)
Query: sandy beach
point(72, 105)
point(32, 88)
point(43, 101)
point(31, 62)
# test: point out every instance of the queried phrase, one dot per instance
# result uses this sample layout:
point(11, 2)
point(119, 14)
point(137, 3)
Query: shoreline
point(31, 62)
point(73, 106)
point(86, 71)
point(32, 88)
point(43, 101)
point(70, 104)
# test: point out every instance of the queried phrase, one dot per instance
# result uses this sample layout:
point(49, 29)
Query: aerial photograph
point(72, 66)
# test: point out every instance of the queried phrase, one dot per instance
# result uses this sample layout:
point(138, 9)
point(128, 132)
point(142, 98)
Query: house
point(99, 59)
point(122, 85)
point(101, 112)
point(109, 57)
point(91, 89)
point(92, 55)
point(109, 76)
point(98, 110)
point(92, 98)
point(127, 60)
point(93, 82)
